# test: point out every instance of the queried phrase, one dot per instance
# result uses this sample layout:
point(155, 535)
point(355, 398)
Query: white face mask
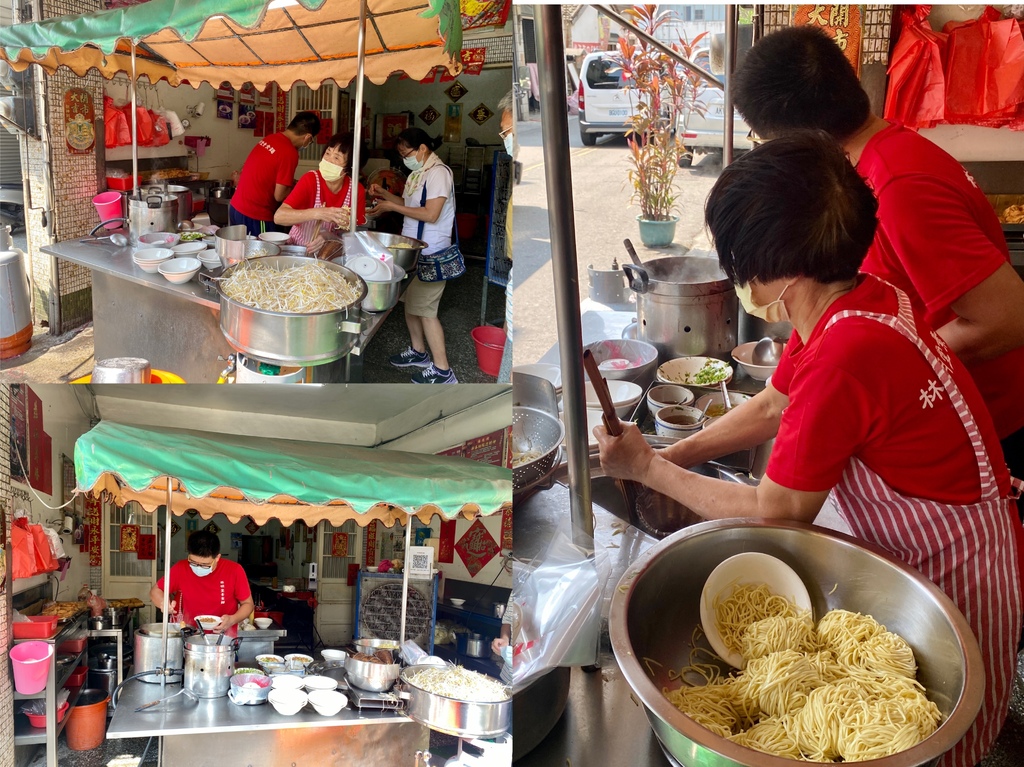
point(509, 143)
point(772, 312)
point(412, 163)
point(201, 572)
point(330, 171)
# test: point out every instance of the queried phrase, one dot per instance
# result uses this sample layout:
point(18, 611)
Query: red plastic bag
point(115, 125)
point(161, 131)
point(23, 564)
point(917, 82)
point(144, 127)
point(984, 68)
point(45, 561)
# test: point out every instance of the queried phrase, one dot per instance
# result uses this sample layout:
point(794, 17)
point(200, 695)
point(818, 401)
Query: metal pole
point(618, 18)
point(561, 222)
point(135, 131)
point(405, 576)
point(167, 582)
point(731, 34)
point(357, 131)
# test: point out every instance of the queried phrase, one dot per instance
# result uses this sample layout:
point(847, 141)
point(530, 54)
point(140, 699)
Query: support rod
point(167, 581)
point(561, 222)
point(731, 35)
point(405, 578)
point(357, 130)
point(135, 129)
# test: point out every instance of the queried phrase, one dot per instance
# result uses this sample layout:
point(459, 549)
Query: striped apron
point(307, 231)
point(969, 551)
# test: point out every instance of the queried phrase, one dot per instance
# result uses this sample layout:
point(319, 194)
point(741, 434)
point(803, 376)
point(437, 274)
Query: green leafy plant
point(663, 90)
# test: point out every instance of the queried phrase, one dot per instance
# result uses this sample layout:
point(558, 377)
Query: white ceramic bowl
point(297, 661)
point(288, 702)
point(640, 355)
point(263, 623)
point(749, 567)
point(548, 372)
point(152, 255)
point(716, 409)
point(287, 682)
point(742, 354)
point(319, 683)
point(679, 421)
point(336, 655)
point(180, 270)
point(159, 239)
point(188, 248)
point(278, 238)
point(457, 602)
point(666, 395)
point(327, 702)
point(209, 259)
point(702, 372)
point(209, 622)
point(624, 394)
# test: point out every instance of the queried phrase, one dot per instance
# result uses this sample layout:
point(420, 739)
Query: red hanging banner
point(129, 538)
point(446, 548)
point(147, 547)
point(339, 545)
point(506, 529)
point(94, 521)
point(370, 545)
point(79, 117)
point(840, 22)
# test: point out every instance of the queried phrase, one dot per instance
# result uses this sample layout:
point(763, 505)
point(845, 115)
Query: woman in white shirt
point(428, 204)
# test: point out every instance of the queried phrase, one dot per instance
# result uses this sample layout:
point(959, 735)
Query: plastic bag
point(54, 541)
point(116, 132)
point(917, 82)
point(23, 561)
point(556, 609)
point(45, 561)
point(984, 68)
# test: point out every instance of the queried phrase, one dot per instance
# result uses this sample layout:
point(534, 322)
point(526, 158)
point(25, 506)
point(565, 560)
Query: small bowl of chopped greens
point(701, 372)
point(194, 236)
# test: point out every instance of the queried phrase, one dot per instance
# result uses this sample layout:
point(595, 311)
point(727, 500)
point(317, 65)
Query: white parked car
point(704, 133)
point(605, 98)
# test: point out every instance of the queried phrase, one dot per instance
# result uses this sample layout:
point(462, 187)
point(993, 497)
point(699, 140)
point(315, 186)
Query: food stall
point(245, 42)
point(287, 480)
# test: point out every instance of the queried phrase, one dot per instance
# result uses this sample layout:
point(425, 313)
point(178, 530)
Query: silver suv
point(703, 129)
point(605, 98)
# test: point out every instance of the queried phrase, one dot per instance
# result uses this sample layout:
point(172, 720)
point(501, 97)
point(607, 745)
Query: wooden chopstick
point(608, 414)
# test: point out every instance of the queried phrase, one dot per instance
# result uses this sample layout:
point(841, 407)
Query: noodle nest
point(844, 690)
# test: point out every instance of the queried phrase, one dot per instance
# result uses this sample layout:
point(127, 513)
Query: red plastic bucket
point(87, 722)
point(108, 206)
point(490, 344)
point(31, 662)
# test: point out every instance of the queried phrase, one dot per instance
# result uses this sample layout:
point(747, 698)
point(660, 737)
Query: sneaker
point(431, 375)
point(410, 358)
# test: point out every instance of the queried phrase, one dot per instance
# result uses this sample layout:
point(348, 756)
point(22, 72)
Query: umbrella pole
point(561, 221)
point(405, 577)
point(135, 153)
point(167, 574)
point(731, 34)
point(357, 131)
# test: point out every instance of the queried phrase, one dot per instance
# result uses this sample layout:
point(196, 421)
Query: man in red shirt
point(207, 584)
point(938, 237)
point(868, 405)
point(269, 174)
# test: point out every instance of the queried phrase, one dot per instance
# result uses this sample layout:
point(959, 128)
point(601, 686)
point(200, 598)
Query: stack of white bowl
point(149, 259)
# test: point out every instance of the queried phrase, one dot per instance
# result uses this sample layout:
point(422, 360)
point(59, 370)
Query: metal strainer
point(534, 431)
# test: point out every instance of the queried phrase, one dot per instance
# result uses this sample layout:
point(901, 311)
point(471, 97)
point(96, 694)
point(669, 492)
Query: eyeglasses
point(503, 134)
point(410, 153)
point(201, 566)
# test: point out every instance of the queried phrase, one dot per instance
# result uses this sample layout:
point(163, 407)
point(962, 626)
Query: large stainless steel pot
point(151, 211)
point(184, 195)
point(461, 718)
point(149, 649)
point(754, 329)
point(685, 305)
point(375, 677)
point(644, 624)
point(281, 338)
point(209, 667)
point(405, 250)
point(234, 245)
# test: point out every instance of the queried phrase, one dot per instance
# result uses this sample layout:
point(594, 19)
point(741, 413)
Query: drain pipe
point(562, 224)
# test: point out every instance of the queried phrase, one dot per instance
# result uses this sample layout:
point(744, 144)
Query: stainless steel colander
point(534, 430)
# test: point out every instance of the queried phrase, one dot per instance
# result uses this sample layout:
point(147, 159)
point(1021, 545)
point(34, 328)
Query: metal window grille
point(126, 564)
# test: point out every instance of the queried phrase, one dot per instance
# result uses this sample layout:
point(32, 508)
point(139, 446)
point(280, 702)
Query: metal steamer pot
point(151, 211)
point(233, 244)
point(282, 338)
point(149, 650)
point(685, 306)
point(209, 667)
point(184, 195)
point(461, 718)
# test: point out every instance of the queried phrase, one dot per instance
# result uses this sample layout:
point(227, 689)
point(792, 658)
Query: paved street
point(604, 218)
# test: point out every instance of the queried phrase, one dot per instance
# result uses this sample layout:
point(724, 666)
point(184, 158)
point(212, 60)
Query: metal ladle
point(117, 239)
point(726, 402)
point(767, 352)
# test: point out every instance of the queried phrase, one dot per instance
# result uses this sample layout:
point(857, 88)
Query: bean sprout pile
point(312, 287)
point(461, 684)
point(528, 456)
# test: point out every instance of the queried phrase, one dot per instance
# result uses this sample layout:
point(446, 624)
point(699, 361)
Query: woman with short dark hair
point(868, 404)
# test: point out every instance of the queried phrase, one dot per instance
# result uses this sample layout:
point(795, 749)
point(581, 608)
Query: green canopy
point(283, 479)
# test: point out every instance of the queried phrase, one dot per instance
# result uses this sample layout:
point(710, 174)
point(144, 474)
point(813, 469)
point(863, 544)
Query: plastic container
point(155, 377)
point(108, 206)
point(31, 662)
point(121, 184)
point(38, 627)
point(77, 678)
point(490, 344)
point(72, 646)
point(87, 725)
point(39, 720)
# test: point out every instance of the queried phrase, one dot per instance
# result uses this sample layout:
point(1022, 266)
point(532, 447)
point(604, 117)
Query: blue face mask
point(412, 163)
point(201, 572)
point(509, 142)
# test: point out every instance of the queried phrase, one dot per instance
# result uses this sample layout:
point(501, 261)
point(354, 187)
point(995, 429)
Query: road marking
point(578, 153)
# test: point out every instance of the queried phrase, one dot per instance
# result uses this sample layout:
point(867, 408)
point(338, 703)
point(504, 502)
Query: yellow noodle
point(780, 632)
point(841, 631)
point(748, 604)
point(885, 653)
point(779, 682)
point(772, 736)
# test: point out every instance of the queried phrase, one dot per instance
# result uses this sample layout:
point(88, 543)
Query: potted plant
point(663, 90)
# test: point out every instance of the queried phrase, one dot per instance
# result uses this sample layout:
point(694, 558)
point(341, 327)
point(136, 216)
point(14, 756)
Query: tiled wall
point(73, 179)
point(6, 691)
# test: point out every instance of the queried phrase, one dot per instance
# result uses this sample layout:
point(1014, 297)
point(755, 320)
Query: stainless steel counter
point(258, 642)
point(175, 327)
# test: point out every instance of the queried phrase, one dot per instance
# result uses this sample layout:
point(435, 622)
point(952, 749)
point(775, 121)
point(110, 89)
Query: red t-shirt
point(939, 237)
point(303, 196)
point(218, 593)
point(860, 389)
point(271, 162)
